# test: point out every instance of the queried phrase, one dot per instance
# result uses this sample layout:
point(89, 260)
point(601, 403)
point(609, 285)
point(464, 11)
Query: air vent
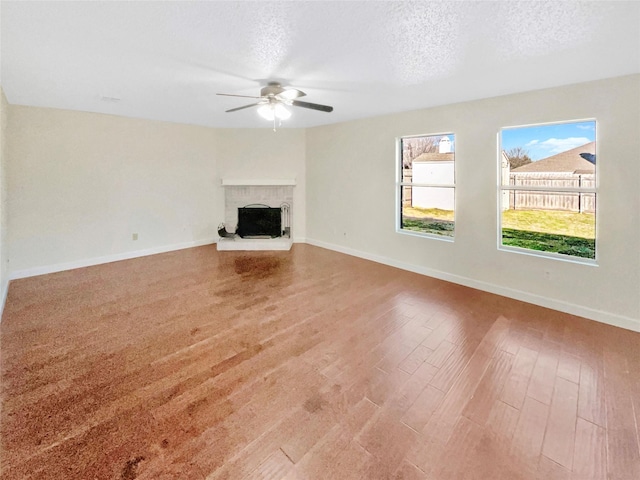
point(108, 99)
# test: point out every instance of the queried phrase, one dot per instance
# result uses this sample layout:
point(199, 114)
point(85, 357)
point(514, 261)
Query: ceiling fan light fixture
point(267, 112)
point(272, 112)
point(281, 112)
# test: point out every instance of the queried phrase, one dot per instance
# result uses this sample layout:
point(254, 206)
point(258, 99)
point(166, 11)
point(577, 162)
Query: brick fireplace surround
point(239, 193)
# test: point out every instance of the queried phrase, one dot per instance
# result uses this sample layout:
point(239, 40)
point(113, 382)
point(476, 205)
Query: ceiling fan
point(273, 99)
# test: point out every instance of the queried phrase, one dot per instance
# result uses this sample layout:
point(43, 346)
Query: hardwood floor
point(306, 364)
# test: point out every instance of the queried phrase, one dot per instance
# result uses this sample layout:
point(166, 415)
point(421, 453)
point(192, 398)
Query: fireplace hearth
point(260, 212)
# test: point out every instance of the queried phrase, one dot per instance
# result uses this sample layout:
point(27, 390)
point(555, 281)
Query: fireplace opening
point(259, 221)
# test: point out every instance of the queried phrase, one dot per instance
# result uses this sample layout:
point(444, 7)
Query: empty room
point(320, 240)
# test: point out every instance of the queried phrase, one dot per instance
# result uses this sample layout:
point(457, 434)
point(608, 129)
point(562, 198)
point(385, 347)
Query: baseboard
point(571, 308)
point(566, 307)
point(31, 272)
point(3, 294)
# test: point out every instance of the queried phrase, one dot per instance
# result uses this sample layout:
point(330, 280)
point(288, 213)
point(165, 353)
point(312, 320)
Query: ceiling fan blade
point(232, 95)
point(246, 106)
point(313, 106)
point(291, 94)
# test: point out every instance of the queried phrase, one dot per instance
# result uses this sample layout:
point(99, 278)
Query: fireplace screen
point(259, 221)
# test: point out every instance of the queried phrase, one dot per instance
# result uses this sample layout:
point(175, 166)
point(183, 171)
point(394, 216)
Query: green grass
point(432, 213)
point(435, 227)
point(566, 233)
point(550, 221)
point(428, 220)
point(546, 242)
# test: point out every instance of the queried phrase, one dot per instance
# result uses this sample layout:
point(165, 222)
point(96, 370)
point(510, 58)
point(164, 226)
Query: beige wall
point(351, 197)
point(81, 184)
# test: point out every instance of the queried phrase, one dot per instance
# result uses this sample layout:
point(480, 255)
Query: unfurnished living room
point(320, 240)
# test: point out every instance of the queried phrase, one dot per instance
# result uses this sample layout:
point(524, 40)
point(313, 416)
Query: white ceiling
point(167, 60)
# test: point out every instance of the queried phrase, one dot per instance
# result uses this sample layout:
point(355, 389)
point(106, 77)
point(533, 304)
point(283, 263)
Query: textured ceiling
point(167, 60)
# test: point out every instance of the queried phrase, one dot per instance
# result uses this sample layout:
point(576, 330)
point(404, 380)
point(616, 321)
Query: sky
point(542, 141)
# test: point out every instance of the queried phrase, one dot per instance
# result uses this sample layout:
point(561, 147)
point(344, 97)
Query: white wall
point(264, 154)
point(351, 197)
point(81, 184)
point(4, 280)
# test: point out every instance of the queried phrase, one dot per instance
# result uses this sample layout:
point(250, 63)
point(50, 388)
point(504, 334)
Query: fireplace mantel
point(241, 182)
point(271, 192)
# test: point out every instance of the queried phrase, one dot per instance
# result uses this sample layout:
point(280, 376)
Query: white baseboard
point(574, 309)
point(578, 310)
point(60, 267)
point(3, 294)
point(31, 272)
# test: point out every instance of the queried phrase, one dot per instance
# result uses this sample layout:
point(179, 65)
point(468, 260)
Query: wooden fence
point(407, 198)
point(537, 200)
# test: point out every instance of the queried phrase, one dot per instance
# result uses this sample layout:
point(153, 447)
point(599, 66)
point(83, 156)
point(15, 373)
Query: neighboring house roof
point(571, 161)
point(435, 157)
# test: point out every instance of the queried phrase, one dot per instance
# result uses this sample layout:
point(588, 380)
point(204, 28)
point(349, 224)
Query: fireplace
point(259, 221)
point(272, 199)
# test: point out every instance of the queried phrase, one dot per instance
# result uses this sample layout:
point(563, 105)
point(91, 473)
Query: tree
point(518, 157)
point(414, 147)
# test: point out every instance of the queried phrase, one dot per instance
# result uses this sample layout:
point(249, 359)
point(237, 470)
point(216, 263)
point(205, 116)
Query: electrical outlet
point(134, 236)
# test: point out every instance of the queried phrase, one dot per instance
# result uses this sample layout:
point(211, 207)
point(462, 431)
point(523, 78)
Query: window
point(548, 189)
point(426, 185)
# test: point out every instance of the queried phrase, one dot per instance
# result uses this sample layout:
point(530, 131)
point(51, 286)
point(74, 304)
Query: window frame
point(509, 188)
point(400, 184)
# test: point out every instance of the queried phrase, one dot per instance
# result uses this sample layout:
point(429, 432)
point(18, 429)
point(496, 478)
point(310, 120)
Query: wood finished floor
point(306, 364)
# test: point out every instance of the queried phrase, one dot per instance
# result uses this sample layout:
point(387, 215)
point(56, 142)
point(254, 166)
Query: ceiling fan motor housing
point(271, 90)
